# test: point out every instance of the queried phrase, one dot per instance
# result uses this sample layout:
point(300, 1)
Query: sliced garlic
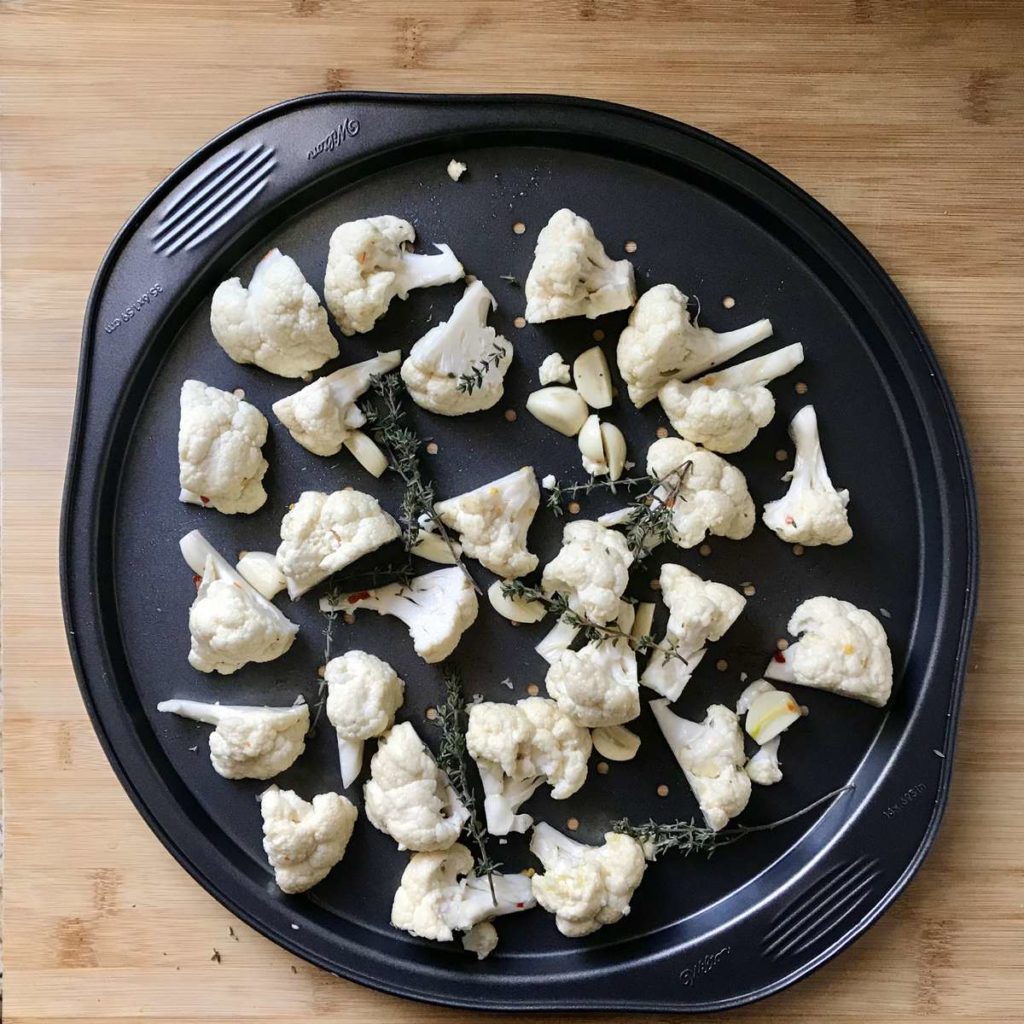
point(366, 453)
point(557, 640)
point(260, 570)
point(432, 547)
point(593, 379)
point(770, 714)
point(516, 609)
point(615, 742)
point(560, 408)
point(751, 693)
point(644, 621)
point(592, 447)
point(614, 449)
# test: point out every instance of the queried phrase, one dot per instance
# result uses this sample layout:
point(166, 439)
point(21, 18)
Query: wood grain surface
point(906, 118)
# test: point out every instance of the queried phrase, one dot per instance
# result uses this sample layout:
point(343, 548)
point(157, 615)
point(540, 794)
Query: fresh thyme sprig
point(452, 758)
point(687, 837)
point(321, 694)
point(390, 428)
point(560, 493)
point(469, 382)
point(650, 515)
point(371, 579)
point(592, 632)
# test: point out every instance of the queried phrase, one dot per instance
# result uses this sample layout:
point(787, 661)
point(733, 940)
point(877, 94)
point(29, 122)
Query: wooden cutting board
point(906, 119)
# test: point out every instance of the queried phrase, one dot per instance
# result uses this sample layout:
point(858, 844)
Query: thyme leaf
point(474, 378)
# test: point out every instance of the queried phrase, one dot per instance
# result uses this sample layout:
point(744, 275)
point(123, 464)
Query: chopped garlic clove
point(366, 453)
point(614, 449)
point(593, 379)
point(644, 621)
point(560, 408)
point(260, 570)
point(770, 714)
point(615, 742)
point(592, 447)
point(516, 609)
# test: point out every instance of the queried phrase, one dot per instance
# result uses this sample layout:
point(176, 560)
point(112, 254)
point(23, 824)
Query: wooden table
point(906, 119)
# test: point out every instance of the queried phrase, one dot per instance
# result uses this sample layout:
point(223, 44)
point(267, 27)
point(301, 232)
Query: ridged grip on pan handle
point(213, 201)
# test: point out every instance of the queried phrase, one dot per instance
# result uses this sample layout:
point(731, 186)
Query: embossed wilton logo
point(136, 307)
point(346, 129)
point(705, 965)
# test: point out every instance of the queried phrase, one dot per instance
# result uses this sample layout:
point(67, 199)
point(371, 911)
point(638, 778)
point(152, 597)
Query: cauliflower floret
point(249, 742)
point(482, 938)
point(592, 570)
point(554, 370)
point(661, 343)
point(276, 323)
point(519, 746)
point(586, 887)
point(493, 520)
point(220, 457)
point(459, 366)
point(842, 649)
point(323, 533)
point(712, 758)
point(368, 265)
point(711, 495)
point(812, 512)
point(573, 276)
point(304, 840)
point(231, 623)
point(438, 608)
point(456, 169)
point(699, 611)
point(597, 685)
point(725, 409)
point(409, 797)
point(363, 694)
point(439, 895)
point(324, 415)
point(764, 768)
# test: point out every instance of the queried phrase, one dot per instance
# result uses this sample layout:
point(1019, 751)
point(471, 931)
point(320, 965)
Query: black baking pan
point(703, 934)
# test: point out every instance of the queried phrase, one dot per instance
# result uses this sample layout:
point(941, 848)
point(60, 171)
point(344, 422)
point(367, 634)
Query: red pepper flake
point(790, 521)
point(204, 499)
point(356, 598)
point(779, 657)
point(197, 580)
point(519, 906)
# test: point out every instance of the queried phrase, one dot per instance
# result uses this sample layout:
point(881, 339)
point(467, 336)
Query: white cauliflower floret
point(586, 887)
point(369, 264)
point(597, 685)
point(323, 533)
point(493, 520)
point(764, 768)
point(724, 409)
point(220, 457)
point(699, 611)
point(324, 415)
point(554, 370)
point(438, 608)
point(711, 495)
point(409, 797)
point(456, 169)
point(812, 512)
point(711, 756)
point(573, 276)
point(842, 649)
point(363, 694)
point(276, 323)
point(591, 570)
point(439, 895)
point(661, 343)
point(304, 840)
point(249, 742)
point(231, 623)
point(482, 938)
point(517, 747)
point(459, 366)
